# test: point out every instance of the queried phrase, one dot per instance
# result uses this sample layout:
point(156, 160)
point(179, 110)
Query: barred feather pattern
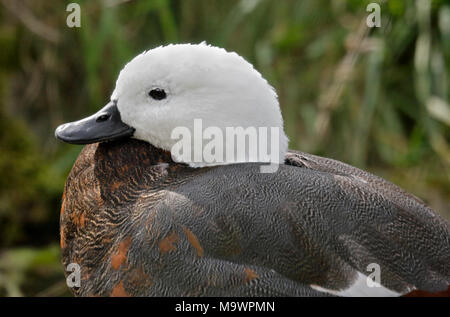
point(139, 224)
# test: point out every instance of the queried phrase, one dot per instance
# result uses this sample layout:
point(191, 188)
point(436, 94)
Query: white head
point(196, 82)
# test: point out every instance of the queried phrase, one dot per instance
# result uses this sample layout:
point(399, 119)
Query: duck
point(140, 218)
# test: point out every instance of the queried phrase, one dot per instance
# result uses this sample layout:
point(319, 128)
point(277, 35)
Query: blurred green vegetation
point(375, 98)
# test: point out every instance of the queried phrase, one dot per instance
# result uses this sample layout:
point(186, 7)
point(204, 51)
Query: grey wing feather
point(313, 222)
point(416, 240)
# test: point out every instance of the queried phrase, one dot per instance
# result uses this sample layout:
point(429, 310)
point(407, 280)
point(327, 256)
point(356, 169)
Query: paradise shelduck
point(141, 219)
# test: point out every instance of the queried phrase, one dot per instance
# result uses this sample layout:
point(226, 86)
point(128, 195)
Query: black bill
point(105, 125)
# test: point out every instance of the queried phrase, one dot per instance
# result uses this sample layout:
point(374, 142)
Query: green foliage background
point(375, 98)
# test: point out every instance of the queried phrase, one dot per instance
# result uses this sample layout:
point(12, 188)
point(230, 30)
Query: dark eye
point(157, 94)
